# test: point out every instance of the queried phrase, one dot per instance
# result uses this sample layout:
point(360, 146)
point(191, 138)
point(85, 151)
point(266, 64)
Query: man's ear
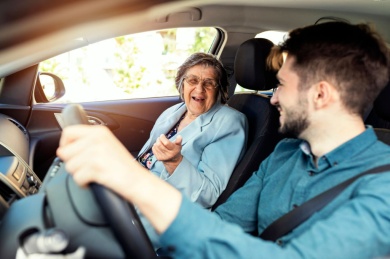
point(325, 94)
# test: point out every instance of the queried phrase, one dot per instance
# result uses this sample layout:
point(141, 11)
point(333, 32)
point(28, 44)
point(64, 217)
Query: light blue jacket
point(212, 145)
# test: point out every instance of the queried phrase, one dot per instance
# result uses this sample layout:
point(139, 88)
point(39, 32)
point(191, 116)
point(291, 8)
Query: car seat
point(379, 117)
point(251, 73)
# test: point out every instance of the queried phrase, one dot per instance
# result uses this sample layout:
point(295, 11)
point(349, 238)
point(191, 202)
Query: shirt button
point(279, 242)
point(311, 173)
point(171, 249)
point(295, 206)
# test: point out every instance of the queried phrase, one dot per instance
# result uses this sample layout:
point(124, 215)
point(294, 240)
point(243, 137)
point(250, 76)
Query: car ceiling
point(31, 31)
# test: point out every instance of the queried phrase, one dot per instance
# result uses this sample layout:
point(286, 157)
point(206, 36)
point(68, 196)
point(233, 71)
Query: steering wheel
point(120, 214)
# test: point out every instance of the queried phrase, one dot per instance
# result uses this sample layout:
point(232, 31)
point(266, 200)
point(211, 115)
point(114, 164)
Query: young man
point(332, 71)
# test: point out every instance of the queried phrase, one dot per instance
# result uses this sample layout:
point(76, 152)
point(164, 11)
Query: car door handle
point(95, 121)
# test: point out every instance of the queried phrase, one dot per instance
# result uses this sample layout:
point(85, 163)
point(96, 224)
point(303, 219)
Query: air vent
point(20, 126)
point(8, 195)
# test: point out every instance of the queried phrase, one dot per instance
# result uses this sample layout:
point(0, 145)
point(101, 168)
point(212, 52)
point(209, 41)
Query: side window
point(132, 66)
point(276, 37)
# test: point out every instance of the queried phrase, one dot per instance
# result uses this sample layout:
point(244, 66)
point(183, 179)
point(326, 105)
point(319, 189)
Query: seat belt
point(294, 218)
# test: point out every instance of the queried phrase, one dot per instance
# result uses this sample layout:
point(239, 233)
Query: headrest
point(250, 65)
point(381, 104)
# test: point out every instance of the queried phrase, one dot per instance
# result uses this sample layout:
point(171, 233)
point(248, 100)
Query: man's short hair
point(353, 58)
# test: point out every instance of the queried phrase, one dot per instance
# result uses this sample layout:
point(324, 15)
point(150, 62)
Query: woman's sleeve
point(205, 182)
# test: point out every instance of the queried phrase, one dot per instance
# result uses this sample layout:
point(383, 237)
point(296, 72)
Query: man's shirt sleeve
point(359, 228)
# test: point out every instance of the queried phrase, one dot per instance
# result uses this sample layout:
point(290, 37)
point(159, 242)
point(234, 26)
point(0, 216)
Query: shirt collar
point(347, 150)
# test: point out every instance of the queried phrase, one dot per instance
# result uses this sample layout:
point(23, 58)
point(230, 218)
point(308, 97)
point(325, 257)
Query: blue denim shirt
point(354, 225)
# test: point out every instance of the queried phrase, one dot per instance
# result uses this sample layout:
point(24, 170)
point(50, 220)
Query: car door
point(130, 120)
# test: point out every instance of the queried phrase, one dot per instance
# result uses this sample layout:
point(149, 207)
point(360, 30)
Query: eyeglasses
point(208, 84)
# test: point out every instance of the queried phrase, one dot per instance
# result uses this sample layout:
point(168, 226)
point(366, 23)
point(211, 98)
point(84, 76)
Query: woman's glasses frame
point(208, 83)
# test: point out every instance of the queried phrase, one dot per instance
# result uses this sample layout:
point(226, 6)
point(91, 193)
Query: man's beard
point(295, 122)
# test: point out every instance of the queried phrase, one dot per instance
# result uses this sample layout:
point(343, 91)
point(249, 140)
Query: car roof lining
point(252, 18)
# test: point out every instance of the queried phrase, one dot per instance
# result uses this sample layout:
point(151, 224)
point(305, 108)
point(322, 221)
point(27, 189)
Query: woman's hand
point(168, 152)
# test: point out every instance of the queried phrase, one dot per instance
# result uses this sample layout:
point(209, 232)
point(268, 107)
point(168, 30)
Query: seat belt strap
point(294, 218)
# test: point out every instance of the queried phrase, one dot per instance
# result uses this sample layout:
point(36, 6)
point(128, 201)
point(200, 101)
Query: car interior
point(379, 117)
point(251, 72)
point(38, 198)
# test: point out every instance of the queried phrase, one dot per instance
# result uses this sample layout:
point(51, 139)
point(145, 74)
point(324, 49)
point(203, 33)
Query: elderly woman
point(196, 144)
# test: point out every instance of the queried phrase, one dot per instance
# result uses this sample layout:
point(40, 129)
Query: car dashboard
point(17, 179)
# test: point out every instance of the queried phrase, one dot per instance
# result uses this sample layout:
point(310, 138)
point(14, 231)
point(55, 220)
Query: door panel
point(130, 120)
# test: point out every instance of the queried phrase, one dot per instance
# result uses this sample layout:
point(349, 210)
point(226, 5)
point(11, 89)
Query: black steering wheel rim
point(124, 222)
point(120, 214)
